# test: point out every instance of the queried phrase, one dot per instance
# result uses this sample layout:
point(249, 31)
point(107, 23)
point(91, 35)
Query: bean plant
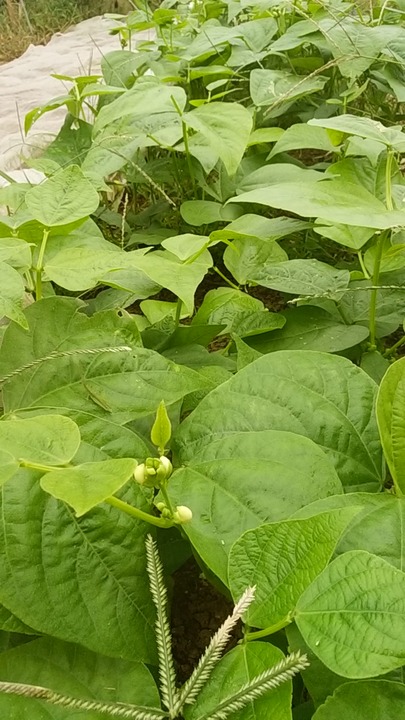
point(201, 356)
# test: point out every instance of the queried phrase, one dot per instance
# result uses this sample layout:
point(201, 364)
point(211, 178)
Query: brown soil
point(198, 609)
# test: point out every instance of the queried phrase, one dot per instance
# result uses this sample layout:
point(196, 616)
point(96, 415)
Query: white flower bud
point(183, 514)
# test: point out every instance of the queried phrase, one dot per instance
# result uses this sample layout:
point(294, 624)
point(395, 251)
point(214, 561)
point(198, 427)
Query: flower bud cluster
point(153, 471)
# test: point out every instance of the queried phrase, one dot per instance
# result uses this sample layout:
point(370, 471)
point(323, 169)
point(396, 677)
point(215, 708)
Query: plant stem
point(163, 490)
point(179, 305)
point(188, 156)
point(373, 296)
point(40, 262)
point(394, 347)
point(138, 514)
point(362, 265)
point(269, 630)
point(380, 245)
point(229, 282)
point(37, 466)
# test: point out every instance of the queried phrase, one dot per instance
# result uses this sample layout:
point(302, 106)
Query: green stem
point(37, 466)
point(179, 305)
point(229, 282)
point(362, 265)
point(269, 630)
point(39, 268)
point(378, 256)
point(163, 490)
point(373, 296)
point(394, 347)
point(188, 156)
point(138, 514)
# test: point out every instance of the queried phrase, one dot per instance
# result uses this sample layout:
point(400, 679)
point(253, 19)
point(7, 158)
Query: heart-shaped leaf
point(65, 197)
point(85, 486)
point(353, 616)
point(48, 439)
point(281, 560)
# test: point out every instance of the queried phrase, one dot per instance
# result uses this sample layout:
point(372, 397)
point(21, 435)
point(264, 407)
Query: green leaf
point(320, 396)
point(303, 136)
point(277, 87)
point(375, 365)
point(187, 245)
point(365, 700)
point(333, 200)
point(162, 428)
point(226, 127)
point(51, 439)
point(65, 197)
point(303, 277)
point(15, 252)
point(353, 616)
point(12, 294)
point(391, 421)
point(85, 486)
point(141, 103)
point(311, 328)
point(235, 669)
point(259, 227)
point(379, 529)
point(265, 135)
point(281, 560)
point(274, 174)
point(89, 387)
point(167, 270)
point(88, 587)
point(248, 324)
point(364, 127)
point(8, 466)
point(204, 212)
point(247, 256)
point(79, 269)
point(346, 235)
point(223, 305)
point(70, 669)
point(217, 483)
point(245, 354)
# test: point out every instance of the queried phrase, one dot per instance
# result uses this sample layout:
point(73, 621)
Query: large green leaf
point(379, 529)
point(226, 127)
point(365, 700)
point(82, 385)
point(65, 197)
point(353, 615)
point(222, 305)
point(72, 670)
point(364, 127)
point(311, 328)
point(51, 439)
point(85, 486)
point(323, 397)
point(333, 200)
point(81, 580)
point(243, 479)
point(79, 269)
point(305, 136)
point(391, 420)
point(302, 277)
point(246, 257)
point(277, 87)
point(165, 269)
point(281, 560)
point(143, 101)
point(240, 665)
point(15, 252)
point(11, 294)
